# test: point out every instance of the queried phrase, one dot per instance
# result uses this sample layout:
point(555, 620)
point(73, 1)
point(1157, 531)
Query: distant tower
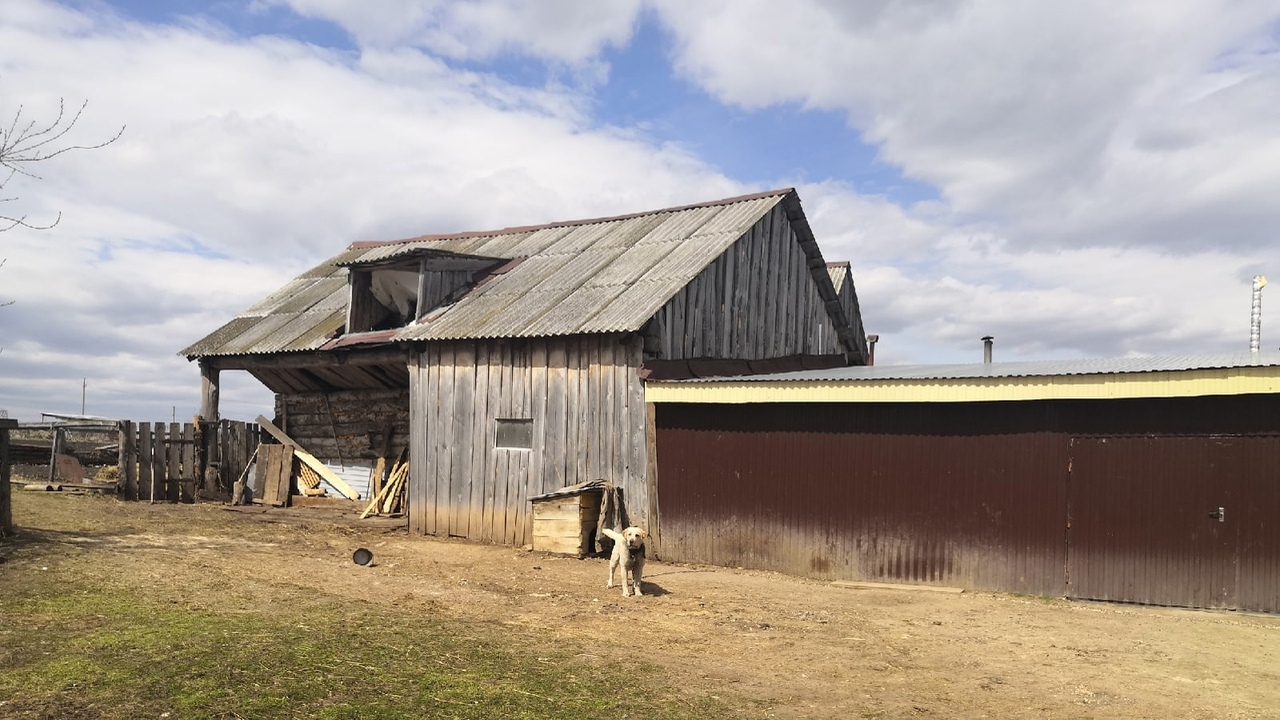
point(1255, 319)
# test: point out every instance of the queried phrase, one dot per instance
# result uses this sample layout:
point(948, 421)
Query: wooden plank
point(489, 460)
point(771, 275)
point(566, 508)
point(417, 494)
point(539, 378)
point(173, 467)
point(338, 483)
point(261, 472)
point(270, 460)
point(188, 474)
point(159, 463)
point(439, 422)
point(143, 470)
point(521, 461)
point(271, 480)
point(128, 460)
point(477, 467)
point(651, 479)
point(422, 470)
point(464, 389)
point(556, 527)
point(618, 440)
point(593, 396)
point(555, 457)
point(283, 474)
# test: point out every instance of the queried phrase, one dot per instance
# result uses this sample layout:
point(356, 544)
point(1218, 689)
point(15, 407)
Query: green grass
point(72, 647)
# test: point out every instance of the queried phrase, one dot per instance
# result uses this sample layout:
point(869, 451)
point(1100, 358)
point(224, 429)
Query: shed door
point(1144, 520)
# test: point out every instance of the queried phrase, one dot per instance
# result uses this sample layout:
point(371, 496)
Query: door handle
point(1220, 514)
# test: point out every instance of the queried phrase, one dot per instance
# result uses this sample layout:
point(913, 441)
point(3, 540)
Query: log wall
point(346, 427)
point(586, 404)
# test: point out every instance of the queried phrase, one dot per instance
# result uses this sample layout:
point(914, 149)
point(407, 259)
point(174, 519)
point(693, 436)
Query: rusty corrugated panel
point(1257, 511)
point(1175, 520)
point(893, 493)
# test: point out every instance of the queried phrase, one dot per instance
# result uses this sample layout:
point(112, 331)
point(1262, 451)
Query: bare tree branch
point(23, 143)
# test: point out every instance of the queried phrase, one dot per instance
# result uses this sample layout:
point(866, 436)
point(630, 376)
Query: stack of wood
point(389, 499)
point(309, 482)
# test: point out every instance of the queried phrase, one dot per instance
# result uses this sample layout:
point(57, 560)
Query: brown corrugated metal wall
point(1175, 520)
point(976, 494)
point(902, 492)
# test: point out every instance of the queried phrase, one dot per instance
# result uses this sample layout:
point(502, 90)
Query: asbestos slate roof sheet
point(599, 275)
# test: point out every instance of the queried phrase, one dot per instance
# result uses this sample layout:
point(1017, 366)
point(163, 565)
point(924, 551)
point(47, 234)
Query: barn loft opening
point(405, 288)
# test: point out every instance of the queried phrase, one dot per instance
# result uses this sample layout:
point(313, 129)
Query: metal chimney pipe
point(986, 349)
point(871, 349)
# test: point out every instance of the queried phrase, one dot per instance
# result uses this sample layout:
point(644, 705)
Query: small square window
point(516, 434)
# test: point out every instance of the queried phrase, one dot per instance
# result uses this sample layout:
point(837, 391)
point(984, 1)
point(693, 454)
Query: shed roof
point(584, 276)
point(1154, 376)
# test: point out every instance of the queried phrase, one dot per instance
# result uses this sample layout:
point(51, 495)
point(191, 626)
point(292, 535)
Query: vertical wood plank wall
point(758, 300)
point(586, 404)
point(158, 463)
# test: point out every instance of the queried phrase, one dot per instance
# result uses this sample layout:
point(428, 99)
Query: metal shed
point(1153, 480)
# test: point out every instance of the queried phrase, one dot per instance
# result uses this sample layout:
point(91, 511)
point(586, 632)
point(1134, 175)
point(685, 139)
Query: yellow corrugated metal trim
point(1181, 383)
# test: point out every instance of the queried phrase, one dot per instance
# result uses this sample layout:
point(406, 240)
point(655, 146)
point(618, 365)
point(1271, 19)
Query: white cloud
point(567, 31)
point(247, 160)
point(1106, 171)
point(1071, 123)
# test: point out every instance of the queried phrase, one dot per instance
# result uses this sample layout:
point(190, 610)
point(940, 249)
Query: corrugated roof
point(1038, 368)
point(598, 275)
point(1112, 379)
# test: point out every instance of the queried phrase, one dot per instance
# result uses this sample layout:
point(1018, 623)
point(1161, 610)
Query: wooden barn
point(1146, 480)
point(510, 363)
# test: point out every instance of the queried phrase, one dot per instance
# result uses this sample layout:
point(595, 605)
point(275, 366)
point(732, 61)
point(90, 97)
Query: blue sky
point(1079, 181)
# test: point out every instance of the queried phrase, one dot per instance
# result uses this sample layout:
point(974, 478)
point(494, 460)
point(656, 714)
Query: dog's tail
point(612, 534)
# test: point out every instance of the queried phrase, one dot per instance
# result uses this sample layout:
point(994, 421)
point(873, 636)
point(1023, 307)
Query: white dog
point(628, 551)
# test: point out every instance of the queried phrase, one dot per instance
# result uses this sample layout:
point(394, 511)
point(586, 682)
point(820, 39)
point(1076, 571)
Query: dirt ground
point(799, 648)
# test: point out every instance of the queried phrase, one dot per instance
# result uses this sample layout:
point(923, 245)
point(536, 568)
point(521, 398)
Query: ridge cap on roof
point(365, 244)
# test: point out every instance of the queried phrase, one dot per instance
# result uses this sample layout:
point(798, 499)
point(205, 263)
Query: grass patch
point(76, 644)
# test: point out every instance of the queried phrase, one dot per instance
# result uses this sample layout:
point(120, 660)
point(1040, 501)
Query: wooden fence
point(177, 462)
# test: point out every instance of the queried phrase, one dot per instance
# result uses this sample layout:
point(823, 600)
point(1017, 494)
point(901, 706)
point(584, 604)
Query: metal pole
point(1255, 318)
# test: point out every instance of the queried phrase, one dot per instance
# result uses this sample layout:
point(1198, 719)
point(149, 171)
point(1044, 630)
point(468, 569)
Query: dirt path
point(800, 648)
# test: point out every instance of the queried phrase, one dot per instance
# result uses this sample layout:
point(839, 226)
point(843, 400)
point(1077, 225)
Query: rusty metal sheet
point(892, 493)
point(1175, 520)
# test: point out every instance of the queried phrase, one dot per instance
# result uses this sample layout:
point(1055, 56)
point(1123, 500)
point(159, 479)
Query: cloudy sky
point(1082, 179)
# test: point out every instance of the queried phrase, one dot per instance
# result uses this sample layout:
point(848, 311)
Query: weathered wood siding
point(587, 407)
point(758, 300)
point(347, 426)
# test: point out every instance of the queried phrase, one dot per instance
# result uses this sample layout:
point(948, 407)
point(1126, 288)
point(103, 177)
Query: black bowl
point(362, 556)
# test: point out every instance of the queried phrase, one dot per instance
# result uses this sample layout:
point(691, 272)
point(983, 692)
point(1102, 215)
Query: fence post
point(127, 484)
point(6, 511)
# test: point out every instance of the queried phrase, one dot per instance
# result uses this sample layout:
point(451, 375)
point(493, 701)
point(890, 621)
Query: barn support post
point(206, 430)
point(6, 511)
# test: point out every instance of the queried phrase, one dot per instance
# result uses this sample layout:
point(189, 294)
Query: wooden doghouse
point(565, 521)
